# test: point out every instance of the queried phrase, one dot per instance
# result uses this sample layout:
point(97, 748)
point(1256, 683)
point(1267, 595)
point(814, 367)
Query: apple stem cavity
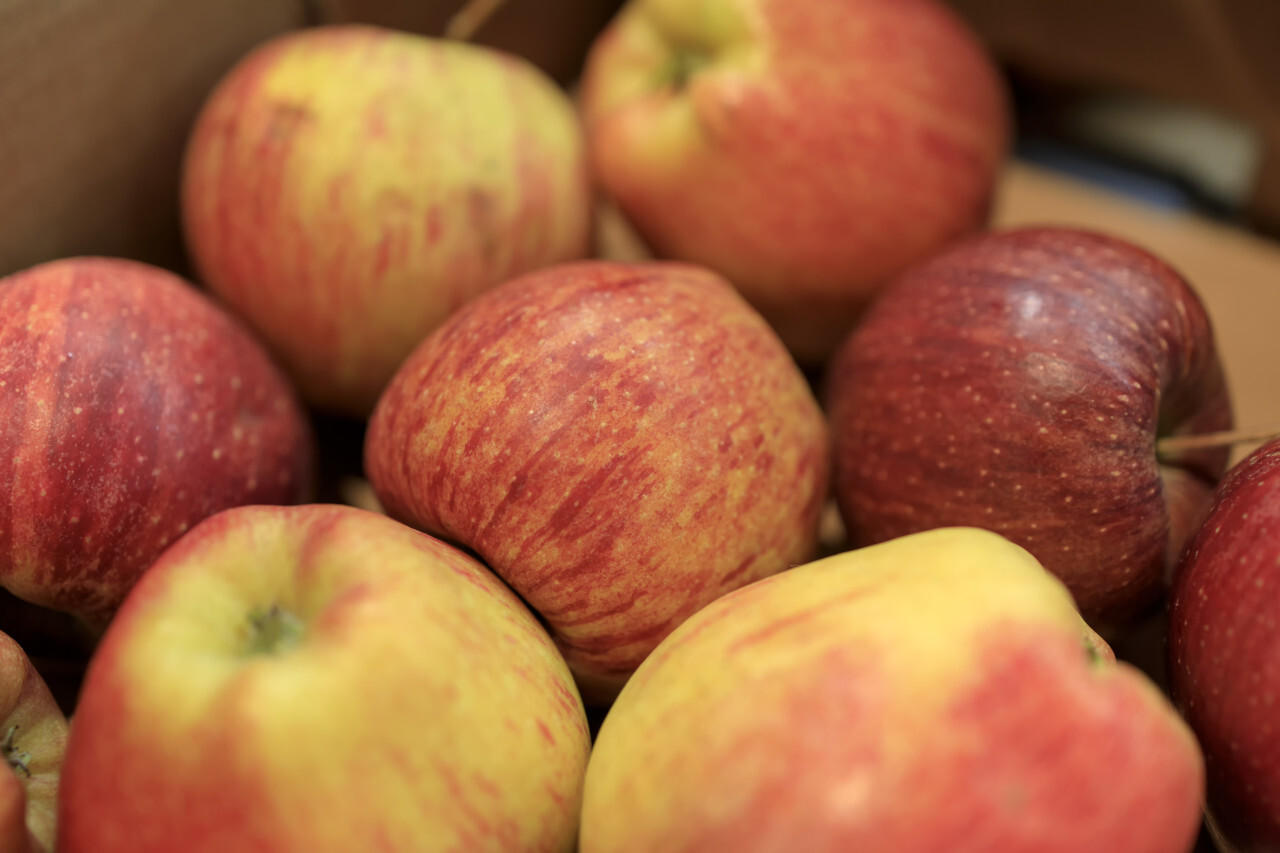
point(1093, 654)
point(274, 631)
point(468, 20)
point(684, 63)
point(18, 760)
point(1174, 445)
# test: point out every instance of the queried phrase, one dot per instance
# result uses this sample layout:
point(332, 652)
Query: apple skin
point(34, 734)
point(1224, 650)
point(622, 443)
point(1018, 382)
point(936, 692)
point(133, 406)
point(346, 187)
point(418, 707)
point(814, 150)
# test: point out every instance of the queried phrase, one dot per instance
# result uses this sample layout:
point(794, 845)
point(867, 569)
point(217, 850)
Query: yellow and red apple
point(347, 187)
point(808, 151)
point(322, 678)
point(936, 692)
point(622, 443)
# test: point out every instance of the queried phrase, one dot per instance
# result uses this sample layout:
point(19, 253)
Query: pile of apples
point(810, 529)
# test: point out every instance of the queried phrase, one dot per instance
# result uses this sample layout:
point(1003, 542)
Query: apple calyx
point(274, 631)
point(19, 761)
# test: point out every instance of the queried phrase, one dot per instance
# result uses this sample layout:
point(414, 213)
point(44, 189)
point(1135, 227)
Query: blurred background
point(1173, 102)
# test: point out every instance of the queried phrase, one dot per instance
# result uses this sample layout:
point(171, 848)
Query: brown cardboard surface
point(1217, 54)
point(96, 98)
point(1236, 273)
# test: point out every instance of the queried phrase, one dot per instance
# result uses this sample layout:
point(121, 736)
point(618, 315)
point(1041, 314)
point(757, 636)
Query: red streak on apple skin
point(1224, 648)
point(131, 408)
point(870, 135)
point(621, 443)
point(792, 625)
point(1018, 382)
point(1035, 750)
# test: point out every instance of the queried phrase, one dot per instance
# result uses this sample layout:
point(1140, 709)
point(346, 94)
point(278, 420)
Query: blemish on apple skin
point(434, 225)
point(482, 213)
point(285, 119)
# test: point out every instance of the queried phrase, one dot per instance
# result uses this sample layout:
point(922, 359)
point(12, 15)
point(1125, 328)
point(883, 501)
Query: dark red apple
point(622, 443)
point(1019, 382)
point(1224, 650)
point(131, 407)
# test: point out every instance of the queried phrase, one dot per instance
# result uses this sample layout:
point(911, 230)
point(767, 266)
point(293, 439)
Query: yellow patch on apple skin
point(669, 75)
point(915, 577)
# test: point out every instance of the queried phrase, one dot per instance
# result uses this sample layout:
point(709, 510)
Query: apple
point(1020, 381)
point(346, 187)
point(33, 735)
point(936, 692)
point(322, 678)
point(1224, 650)
point(58, 644)
point(808, 152)
point(133, 406)
point(621, 442)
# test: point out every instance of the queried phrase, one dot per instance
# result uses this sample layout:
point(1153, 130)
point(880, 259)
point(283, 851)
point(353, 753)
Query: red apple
point(133, 407)
point(322, 678)
point(806, 151)
point(938, 692)
point(622, 443)
point(346, 187)
point(1224, 650)
point(1019, 381)
point(33, 731)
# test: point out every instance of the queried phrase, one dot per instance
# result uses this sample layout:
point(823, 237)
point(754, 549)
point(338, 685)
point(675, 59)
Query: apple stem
point(18, 760)
point(468, 20)
point(1172, 445)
